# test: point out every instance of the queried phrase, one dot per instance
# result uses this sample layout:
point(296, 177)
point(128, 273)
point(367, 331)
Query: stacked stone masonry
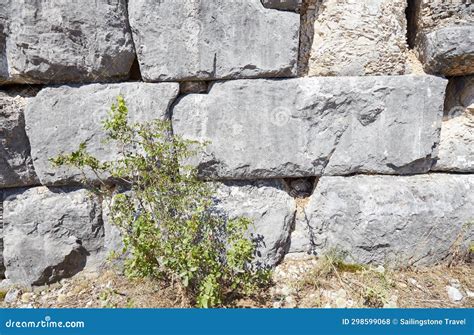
point(321, 129)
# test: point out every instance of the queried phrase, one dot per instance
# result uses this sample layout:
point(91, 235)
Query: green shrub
point(167, 215)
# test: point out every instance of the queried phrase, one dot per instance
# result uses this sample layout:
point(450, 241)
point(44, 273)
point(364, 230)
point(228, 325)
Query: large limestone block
point(456, 148)
point(16, 165)
point(354, 38)
point(271, 210)
point(409, 220)
point(57, 41)
point(314, 126)
point(265, 203)
point(50, 234)
point(213, 39)
point(60, 118)
point(443, 36)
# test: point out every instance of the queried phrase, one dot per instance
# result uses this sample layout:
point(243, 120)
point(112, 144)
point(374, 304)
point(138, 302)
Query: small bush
point(166, 215)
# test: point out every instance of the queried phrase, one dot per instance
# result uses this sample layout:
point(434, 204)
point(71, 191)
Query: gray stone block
point(50, 234)
point(60, 118)
point(448, 51)
point(265, 203)
point(16, 164)
point(215, 39)
point(271, 210)
point(57, 41)
point(314, 126)
point(456, 147)
point(390, 220)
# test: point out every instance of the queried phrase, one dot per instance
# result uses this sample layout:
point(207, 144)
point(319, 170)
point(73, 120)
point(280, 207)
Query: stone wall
point(324, 127)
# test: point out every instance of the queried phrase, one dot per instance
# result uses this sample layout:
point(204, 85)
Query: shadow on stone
point(72, 264)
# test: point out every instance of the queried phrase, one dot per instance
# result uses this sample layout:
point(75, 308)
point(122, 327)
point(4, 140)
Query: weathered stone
point(409, 220)
point(50, 234)
point(57, 41)
point(61, 118)
point(216, 39)
point(266, 203)
point(314, 126)
point(456, 148)
point(354, 38)
point(429, 15)
point(16, 165)
point(113, 242)
point(448, 51)
point(441, 32)
point(293, 5)
point(271, 210)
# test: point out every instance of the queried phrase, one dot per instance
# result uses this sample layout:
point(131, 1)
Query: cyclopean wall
point(323, 127)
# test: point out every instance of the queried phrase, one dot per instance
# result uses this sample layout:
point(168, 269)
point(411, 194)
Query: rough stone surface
point(441, 32)
point(60, 118)
point(456, 150)
point(434, 14)
point(16, 165)
point(448, 51)
point(113, 243)
point(271, 210)
point(314, 126)
point(213, 39)
point(293, 5)
point(50, 234)
point(57, 41)
point(409, 220)
point(266, 203)
point(354, 38)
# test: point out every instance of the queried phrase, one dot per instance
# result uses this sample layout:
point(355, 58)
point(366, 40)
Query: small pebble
point(26, 297)
point(380, 269)
point(62, 298)
point(454, 294)
point(12, 295)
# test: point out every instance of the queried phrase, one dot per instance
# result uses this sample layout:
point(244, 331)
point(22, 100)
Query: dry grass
point(363, 286)
point(309, 283)
point(111, 289)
